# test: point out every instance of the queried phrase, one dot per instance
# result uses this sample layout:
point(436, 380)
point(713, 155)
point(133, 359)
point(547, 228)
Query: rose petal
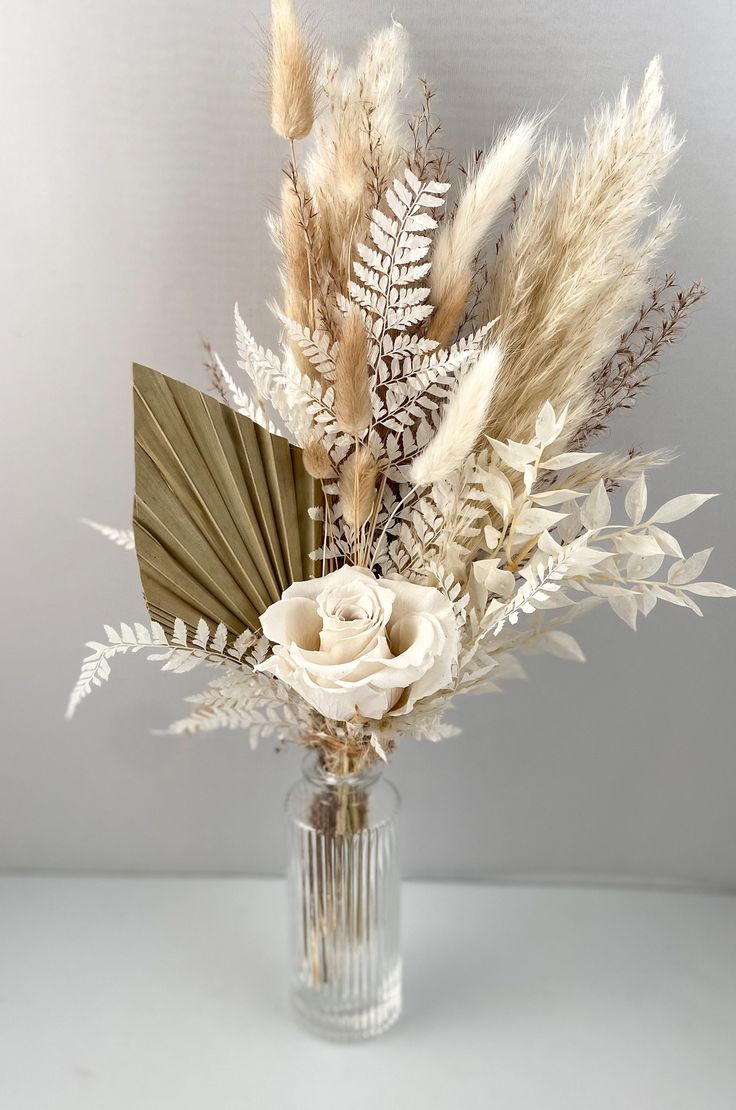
point(350, 643)
point(292, 620)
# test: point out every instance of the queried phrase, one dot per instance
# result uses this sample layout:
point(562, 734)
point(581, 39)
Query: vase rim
point(314, 770)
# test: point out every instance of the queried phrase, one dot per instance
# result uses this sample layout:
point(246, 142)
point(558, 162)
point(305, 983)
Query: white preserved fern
point(244, 403)
point(178, 654)
point(121, 537)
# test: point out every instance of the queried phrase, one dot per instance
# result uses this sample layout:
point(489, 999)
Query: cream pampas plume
point(464, 418)
point(577, 264)
point(485, 196)
point(352, 381)
point(357, 487)
point(292, 77)
point(357, 145)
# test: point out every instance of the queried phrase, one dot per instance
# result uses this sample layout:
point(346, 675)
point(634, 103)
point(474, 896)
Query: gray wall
point(138, 165)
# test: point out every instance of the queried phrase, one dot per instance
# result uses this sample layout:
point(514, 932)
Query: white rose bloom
point(350, 643)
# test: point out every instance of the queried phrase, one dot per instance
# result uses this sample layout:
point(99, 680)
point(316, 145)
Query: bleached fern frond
point(234, 699)
point(424, 722)
point(122, 537)
point(178, 654)
point(244, 403)
point(316, 346)
point(543, 577)
point(409, 406)
point(388, 271)
point(96, 665)
point(498, 656)
point(296, 400)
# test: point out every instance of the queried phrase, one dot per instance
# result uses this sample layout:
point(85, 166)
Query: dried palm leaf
point(220, 518)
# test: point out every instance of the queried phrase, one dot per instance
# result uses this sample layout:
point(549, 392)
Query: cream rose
point(350, 643)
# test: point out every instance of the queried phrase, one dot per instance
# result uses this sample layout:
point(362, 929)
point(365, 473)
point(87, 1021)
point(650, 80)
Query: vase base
point(324, 1017)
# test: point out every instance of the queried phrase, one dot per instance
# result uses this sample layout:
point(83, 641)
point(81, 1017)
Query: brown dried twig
point(214, 373)
point(660, 323)
point(427, 160)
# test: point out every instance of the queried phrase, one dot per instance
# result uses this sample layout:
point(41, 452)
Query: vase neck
point(314, 770)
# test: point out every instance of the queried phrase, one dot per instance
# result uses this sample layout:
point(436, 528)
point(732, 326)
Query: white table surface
point(169, 994)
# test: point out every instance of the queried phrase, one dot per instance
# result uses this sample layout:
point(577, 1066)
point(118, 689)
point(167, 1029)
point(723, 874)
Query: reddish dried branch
point(660, 323)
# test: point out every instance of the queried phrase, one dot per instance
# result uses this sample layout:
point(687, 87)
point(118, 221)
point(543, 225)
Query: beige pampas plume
point(463, 420)
point(487, 193)
point(352, 376)
point(357, 487)
point(292, 73)
point(577, 263)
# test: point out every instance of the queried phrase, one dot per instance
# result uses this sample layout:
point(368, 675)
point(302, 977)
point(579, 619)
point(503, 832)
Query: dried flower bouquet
point(391, 511)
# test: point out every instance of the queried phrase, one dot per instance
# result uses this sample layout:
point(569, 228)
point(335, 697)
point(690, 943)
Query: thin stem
point(374, 515)
point(389, 519)
point(324, 536)
point(356, 491)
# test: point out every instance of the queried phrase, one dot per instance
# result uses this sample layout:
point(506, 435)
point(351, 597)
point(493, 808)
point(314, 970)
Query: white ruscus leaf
point(679, 507)
point(636, 499)
point(595, 511)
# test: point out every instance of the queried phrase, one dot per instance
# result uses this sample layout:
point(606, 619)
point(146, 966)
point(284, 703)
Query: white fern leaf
point(246, 405)
point(122, 537)
point(540, 583)
point(278, 383)
point(96, 666)
point(387, 271)
point(177, 656)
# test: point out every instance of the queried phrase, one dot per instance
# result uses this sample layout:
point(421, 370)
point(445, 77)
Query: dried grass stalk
point(213, 368)
point(292, 73)
point(296, 232)
point(357, 487)
point(574, 266)
point(357, 145)
point(486, 194)
point(614, 468)
point(352, 375)
point(464, 418)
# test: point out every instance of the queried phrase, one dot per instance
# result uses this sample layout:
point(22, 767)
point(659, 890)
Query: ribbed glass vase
point(344, 891)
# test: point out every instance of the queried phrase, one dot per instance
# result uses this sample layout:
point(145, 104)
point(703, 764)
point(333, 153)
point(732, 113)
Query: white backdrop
point(137, 168)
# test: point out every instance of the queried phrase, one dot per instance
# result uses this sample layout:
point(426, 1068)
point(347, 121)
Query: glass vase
point(343, 883)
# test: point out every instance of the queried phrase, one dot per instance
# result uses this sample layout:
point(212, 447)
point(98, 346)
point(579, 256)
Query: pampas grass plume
point(487, 193)
point(463, 420)
point(578, 261)
point(292, 78)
